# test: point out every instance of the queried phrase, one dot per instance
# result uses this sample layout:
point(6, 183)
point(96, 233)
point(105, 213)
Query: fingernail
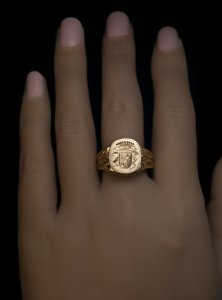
point(117, 24)
point(71, 32)
point(168, 39)
point(34, 85)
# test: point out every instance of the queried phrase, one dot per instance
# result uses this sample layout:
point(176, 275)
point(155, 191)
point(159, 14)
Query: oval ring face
point(125, 156)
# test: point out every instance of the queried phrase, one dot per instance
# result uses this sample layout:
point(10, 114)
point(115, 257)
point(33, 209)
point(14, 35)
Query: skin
point(130, 237)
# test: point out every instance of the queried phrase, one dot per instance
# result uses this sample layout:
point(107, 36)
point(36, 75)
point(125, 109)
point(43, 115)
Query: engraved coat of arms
point(124, 155)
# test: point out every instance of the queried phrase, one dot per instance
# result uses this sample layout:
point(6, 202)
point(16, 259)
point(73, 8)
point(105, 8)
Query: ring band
point(124, 157)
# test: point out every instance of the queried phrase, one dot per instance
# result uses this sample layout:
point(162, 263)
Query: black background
point(29, 45)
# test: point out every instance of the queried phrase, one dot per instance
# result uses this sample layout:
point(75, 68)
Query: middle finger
point(75, 132)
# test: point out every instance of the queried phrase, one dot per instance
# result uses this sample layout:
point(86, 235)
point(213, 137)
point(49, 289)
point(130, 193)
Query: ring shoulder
point(102, 159)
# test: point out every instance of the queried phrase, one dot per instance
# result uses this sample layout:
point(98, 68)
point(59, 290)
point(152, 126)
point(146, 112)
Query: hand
point(131, 237)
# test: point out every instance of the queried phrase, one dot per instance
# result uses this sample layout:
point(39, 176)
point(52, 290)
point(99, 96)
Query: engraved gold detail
point(124, 157)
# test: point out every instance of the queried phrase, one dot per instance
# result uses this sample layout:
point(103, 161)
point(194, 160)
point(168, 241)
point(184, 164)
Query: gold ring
point(124, 157)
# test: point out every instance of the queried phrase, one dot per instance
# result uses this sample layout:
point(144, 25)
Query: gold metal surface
point(124, 157)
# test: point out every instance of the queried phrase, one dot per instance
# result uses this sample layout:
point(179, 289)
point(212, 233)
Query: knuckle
point(121, 56)
point(179, 237)
point(175, 239)
point(120, 51)
point(70, 64)
point(174, 243)
point(171, 66)
point(177, 230)
point(122, 105)
point(34, 164)
point(177, 110)
point(74, 126)
point(29, 119)
point(73, 70)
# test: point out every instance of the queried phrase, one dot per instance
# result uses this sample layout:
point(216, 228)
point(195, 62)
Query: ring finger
point(122, 106)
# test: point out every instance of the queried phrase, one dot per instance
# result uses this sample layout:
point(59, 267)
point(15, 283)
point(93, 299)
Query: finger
point(122, 106)
point(174, 133)
point(75, 133)
point(214, 210)
point(37, 187)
